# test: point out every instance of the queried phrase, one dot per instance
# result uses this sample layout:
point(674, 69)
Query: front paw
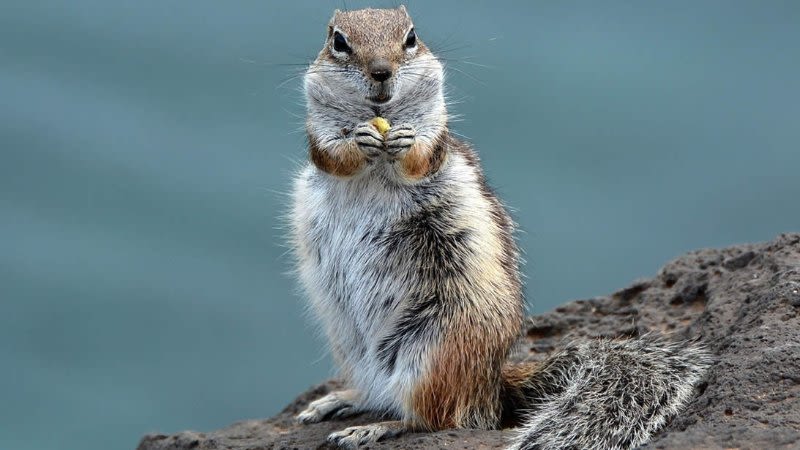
point(399, 140)
point(368, 139)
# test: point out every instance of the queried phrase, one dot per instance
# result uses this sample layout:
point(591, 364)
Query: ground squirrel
point(410, 265)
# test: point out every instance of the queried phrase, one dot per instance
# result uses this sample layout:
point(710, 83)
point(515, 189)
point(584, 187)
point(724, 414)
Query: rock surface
point(743, 302)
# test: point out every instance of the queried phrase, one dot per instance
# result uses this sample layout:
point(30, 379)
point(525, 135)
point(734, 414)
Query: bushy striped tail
point(608, 394)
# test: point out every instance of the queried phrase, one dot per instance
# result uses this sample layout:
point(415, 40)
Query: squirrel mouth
point(380, 93)
point(381, 97)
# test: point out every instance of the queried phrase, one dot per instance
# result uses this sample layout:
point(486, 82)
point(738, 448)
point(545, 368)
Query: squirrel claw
point(369, 139)
point(399, 140)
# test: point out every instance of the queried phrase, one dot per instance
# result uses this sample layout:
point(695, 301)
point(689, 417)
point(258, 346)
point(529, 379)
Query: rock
point(743, 302)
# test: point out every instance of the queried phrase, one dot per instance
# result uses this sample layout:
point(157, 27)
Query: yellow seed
point(381, 124)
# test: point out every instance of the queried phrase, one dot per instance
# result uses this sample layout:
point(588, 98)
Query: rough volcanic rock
point(743, 302)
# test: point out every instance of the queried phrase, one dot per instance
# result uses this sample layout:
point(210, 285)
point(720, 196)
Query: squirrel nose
point(380, 70)
point(381, 75)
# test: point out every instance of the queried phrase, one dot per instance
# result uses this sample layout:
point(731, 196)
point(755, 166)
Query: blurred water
point(145, 147)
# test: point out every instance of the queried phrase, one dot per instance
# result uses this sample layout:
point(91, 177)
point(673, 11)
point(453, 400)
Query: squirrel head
point(373, 57)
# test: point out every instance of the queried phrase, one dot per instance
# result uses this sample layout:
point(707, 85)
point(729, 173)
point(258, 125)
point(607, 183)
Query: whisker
point(455, 48)
point(478, 65)
point(468, 75)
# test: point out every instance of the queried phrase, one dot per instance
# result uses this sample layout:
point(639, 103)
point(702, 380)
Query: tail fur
point(605, 394)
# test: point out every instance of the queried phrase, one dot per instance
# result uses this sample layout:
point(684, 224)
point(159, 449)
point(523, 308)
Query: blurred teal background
point(145, 149)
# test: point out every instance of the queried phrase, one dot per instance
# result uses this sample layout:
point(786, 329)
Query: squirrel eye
point(340, 43)
point(411, 39)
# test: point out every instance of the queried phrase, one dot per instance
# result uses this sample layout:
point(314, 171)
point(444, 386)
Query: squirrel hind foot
point(336, 405)
point(354, 437)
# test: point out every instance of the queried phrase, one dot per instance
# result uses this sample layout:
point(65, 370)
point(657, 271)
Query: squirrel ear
point(402, 8)
point(336, 12)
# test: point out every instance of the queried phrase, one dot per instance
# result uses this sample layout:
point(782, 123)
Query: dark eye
point(411, 39)
point(340, 43)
